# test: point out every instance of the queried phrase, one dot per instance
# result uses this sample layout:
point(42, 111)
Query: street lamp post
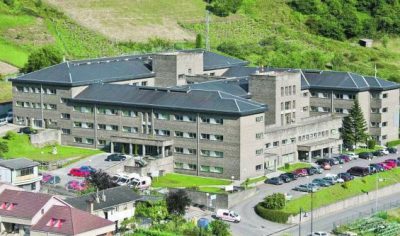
point(301, 209)
point(312, 205)
point(207, 194)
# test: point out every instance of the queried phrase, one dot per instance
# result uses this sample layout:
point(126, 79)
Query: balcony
point(26, 179)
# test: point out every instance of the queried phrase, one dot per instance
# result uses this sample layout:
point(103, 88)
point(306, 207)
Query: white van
point(126, 179)
point(142, 183)
point(224, 214)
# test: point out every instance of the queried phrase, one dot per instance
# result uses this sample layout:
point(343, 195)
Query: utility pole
point(208, 28)
point(312, 209)
point(300, 221)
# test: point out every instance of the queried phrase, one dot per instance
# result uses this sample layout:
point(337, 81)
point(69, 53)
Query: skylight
point(8, 206)
point(56, 223)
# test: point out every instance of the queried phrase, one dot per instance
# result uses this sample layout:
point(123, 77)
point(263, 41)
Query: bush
point(10, 135)
point(41, 58)
point(287, 166)
point(345, 185)
point(3, 148)
point(9, 2)
point(220, 228)
point(371, 144)
point(272, 215)
point(275, 201)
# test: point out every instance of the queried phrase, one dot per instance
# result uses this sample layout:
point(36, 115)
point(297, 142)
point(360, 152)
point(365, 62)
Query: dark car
point(378, 153)
point(391, 150)
point(322, 161)
point(311, 171)
point(292, 176)
point(339, 159)
point(365, 155)
point(116, 157)
point(345, 176)
point(321, 182)
point(275, 181)
point(285, 178)
point(378, 167)
point(27, 130)
point(358, 171)
point(345, 158)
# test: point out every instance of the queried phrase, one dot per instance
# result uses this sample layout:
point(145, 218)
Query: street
point(252, 224)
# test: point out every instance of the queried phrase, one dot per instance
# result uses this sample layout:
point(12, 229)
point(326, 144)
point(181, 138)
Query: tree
point(223, 7)
point(41, 58)
point(199, 41)
point(3, 148)
point(275, 201)
point(100, 180)
point(177, 202)
point(156, 211)
point(354, 128)
point(219, 228)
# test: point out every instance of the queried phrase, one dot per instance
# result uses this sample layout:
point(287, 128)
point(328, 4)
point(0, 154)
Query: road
point(252, 224)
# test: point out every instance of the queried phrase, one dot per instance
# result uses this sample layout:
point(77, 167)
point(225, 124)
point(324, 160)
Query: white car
point(225, 214)
point(319, 233)
point(385, 151)
point(352, 155)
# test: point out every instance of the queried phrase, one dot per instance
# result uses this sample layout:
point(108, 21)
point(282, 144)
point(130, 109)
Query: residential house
point(21, 172)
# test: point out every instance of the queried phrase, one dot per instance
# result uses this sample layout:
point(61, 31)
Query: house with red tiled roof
point(65, 220)
point(19, 210)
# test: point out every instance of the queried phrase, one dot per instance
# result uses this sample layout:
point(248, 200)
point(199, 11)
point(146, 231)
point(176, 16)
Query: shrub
point(220, 228)
point(287, 166)
point(275, 201)
point(345, 185)
point(10, 135)
point(3, 148)
point(199, 41)
point(371, 144)
point(272, 215)
point(9, 2)
point(177, 202)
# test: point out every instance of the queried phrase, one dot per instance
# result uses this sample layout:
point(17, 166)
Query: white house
point(21, 172)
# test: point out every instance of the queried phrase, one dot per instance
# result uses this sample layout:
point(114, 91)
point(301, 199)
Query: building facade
point(210, 114)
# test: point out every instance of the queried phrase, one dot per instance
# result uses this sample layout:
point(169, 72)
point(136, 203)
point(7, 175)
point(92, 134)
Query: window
point(89, 141)
point(187, 151)
point(178, 165)
point(259, 151)
point(178, 134)
point(211, 120)
point(284, 142)
point(385, 95)
point(375, 95)
point(181, 76)
point(129, 113)
point(101, 142)
point(25, 171)
point(293, 104)
point(286, 91)
point(374, 124)
point(338, 96)
point(204, 168)
point(51, 91)
point(83, 125)
point(216, 169)
point(384, 124)
point(305, 94)
point(162, 132)
point(179, 117)
point(209, 153)
point(191, 167)
point(375, 110)
point(294, 89)
point(259, 135)
point(128, 129)
point(144, 83)
point(384, 137)
point(305, 109)
point(282, 93)
point(385, 109)
point(259, 118)
point(77, 139)
point(65, 116)
point(189, 71)
point(83, 109)
point(162, 116)
point(107, 111)
point(212, 137)
point(107, 127)
point(268, 145)
point(19, 104)
point(287, 105)
point(66, 131)
point(258, 167)
point(275, 144)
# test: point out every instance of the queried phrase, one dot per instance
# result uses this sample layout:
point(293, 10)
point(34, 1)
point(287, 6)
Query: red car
point(300, 172)
point(79, 172)
point(326, 166)
point(386, 166)
point(76, 185)
point(391, 163)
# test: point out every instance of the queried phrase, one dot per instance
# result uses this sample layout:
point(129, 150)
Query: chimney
point(97, 196)
point(103, 197)
point(90, 206)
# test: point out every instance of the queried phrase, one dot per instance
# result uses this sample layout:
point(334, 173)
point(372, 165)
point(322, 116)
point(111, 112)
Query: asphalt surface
point(252, 224)
point(96, 161)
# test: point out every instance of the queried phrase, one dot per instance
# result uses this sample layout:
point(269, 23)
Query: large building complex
point(208, 113)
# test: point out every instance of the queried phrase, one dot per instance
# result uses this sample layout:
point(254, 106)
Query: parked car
point(392, 162)
point(76, 185)
point(3, 121)
point(78, 172)
point(339, 159)
point(27, 130)
point(50, 179)
point(285, 178)
point(386, 166)
point(392, 150)
point(319, 233)
point(333, 161)
point(311, 171)
point(142, 183)
point(225, 214)
point(378, 167)
point(352, 155)
point(301, 172)
point(326, 166)
point(116, 157)
point(372, 169)
point(378, 153)
point(306, 188)
point(345, 158)
point(345, 176)
point(385, 151)
point(358, 171)
point(317, 169)
point(321, 182)
point(333, 177)
point(321, 161)
point(288, 196)
point(88, 168)
point(365, 155)
point(274, 181)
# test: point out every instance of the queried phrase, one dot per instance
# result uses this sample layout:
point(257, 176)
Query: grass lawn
point(212, 190)
point(294, 166)
point(20, 147)
point(337, 192)
point(255, 180)
point(173, 180)
point(393, 143)
point(359, 150)
point(12, 54)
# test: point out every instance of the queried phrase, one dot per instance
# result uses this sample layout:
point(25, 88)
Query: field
point(140, 20)
point(20, 146)
point(177, 180)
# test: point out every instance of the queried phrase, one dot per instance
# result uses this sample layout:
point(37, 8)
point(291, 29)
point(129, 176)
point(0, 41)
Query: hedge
point(148, 232)
point(272, 215)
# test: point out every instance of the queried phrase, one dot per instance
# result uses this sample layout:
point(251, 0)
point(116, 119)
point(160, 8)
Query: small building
point(366, 43)
point(115, 204)
point(21, 172)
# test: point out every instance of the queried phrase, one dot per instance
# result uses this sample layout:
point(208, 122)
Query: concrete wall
point(350, 202)
point(46, 137)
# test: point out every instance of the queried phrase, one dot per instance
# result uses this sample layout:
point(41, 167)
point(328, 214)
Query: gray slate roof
point(227, 85)
point(114, 196)
point(18, 163)
point(184, 99)
point(111, 69)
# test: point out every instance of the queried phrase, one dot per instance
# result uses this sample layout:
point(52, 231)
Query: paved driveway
point(96, 161)
point(252, 224)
